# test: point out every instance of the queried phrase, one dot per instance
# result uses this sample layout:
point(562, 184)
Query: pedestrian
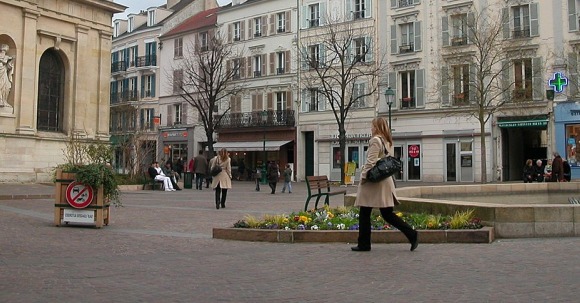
point(179, 167)
point(539, 171)
point(258, 177)
point(287, 179)
point(379, 194)
point(273, 175)
point(557, 168)
point(223, 181)
point(528, 172)
point(200, 167)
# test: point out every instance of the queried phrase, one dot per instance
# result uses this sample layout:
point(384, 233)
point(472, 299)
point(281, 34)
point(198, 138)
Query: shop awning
point(523, 123)
point(250, 145)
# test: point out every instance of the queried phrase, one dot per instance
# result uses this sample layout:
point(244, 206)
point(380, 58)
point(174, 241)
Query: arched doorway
point(50, 92)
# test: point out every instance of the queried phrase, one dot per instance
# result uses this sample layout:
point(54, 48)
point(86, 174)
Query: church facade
point(55, 66)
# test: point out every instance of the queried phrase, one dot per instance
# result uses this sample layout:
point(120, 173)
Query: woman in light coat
point(379, 194)
point(223, 181)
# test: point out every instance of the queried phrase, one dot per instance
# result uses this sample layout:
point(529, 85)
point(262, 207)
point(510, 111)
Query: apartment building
point(260, 124)
point(135, 116)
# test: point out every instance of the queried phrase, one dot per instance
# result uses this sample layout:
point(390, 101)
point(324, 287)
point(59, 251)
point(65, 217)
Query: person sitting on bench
point(156, 173)
point(173, 175)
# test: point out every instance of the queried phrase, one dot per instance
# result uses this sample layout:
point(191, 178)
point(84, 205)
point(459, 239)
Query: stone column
point(25, 108)
point(104, 83)
point(83, 114)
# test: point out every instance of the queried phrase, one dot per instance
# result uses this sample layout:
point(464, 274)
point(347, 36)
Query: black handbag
point(384, 168)
point(216, 169)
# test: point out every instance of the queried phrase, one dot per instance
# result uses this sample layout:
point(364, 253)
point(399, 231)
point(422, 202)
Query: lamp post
point(264, 120)
point(389, 95)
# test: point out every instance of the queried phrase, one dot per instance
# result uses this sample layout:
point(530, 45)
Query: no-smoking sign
point(79, 195)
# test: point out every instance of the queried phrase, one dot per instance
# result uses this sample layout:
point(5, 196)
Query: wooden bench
point(318, 186)
point(151, 182)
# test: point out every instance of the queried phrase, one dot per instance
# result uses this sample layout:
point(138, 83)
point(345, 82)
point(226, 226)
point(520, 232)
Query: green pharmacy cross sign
point(558, 82)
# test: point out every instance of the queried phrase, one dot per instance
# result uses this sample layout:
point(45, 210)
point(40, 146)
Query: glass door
point(414, 162)
point(451, 162)
point(398, 149)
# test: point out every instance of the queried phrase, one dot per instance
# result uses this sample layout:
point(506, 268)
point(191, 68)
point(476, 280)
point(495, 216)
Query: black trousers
point(223, 192)
point(364, 229)
point(199, 180)
point(273, 186)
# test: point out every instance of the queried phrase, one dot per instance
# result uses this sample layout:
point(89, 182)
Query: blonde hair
point(382, 129)
point(223, 154)
point(529, 162)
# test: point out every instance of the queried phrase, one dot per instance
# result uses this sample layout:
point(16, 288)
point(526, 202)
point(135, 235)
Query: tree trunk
point(342, 147)
point(483, 151)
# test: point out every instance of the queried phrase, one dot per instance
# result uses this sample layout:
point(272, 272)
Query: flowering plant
point(346, 218)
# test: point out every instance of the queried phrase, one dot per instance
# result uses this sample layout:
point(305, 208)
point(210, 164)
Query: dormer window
point(151, 18)
point(130, 23)
point(116, 29)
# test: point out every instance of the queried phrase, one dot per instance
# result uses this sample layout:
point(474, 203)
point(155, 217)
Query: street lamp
point(264, 120)
point(389, 95)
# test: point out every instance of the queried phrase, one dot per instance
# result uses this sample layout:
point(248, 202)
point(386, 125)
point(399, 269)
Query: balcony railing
point(119, 97)
point(257, 74)
point(405, 3)
point(257, 34)
point(406, 48)
point(281, 29)
point(146, 61)
point(280, 70)
point(459, 40)
point(521, 33)
point(314, 22)
point(358, 15)
point(461, 99)
point(119, 66)
point(407, 102)
point(255, 119)
point(522, 94)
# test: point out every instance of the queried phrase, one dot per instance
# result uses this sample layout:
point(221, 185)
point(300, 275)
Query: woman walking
point(273, 176)
point(379, 194)
point(223, 181)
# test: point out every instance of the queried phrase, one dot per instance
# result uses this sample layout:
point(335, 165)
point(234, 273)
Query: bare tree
point(478, 66)
point(339, 65)
point(207, 81)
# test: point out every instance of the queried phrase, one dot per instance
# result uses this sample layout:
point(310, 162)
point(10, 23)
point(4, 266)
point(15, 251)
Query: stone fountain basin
point(522, 220)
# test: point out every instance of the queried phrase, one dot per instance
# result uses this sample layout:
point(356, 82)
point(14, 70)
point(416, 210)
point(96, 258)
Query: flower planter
point(483, 235)
point(97, 211)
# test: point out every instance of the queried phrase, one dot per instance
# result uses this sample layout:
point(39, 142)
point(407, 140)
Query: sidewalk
point(159, 248)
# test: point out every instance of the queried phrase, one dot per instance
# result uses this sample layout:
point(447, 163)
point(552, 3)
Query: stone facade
point(76, 36)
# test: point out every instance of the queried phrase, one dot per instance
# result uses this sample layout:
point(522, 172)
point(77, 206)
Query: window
point(177, 81)
point(257, 66)
point(359, 9)
point(522, 79)
point(178, 48)
point(203, 41)
point(358, 95)
point(403, 3)
point(281, 22)
point(151, 54)
point(407, 38)
point(314, 99)
point(360, 47)
point(236, 104)
point(408, 89)
point(133, 92)
point(460, 84)
point(116, 29)
point(50, 92)
point(572, 142)
point(130, 23)
point(459, 29)
point(521, 21)
point(281, 103)
point(151, 18)
point(258, 27)
point(148, 86)
point(236, 66)
point(311, 100)
point(177, 113)
point(237, 31)
point(147, 116)
point(134, 56)
point(280, 58)
point(314, 14)
point(313, 56)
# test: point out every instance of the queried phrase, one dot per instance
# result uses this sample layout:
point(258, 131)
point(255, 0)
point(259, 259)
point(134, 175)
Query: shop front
point(567, 134)
point(174, 144)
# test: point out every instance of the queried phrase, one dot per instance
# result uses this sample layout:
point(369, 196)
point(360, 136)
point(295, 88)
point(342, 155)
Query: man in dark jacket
point(557, 168)
point(200, 168)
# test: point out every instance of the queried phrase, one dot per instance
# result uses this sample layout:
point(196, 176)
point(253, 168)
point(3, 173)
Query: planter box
point(98, 206)
point(484, 235)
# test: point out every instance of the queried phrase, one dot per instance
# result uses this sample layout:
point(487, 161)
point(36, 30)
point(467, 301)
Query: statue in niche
point(6, 72)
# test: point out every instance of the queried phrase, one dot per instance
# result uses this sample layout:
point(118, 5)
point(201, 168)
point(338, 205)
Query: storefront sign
point(78, 216)
point(174, 134)
point(528, 123)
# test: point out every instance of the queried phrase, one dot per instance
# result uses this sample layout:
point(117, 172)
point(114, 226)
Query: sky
point(135, 6)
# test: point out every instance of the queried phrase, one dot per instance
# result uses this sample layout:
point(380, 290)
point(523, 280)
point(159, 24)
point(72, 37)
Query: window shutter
point(471, 26)
point(142, 86)
point(242, 31)
point(369, 45)
point(251, 29)
point(287, 63)
point(393, 85)
point(260, 101)
point(229, 65)
point(305, 17)
point(349, 12)
point(270, 101)
point(321, 101)
point(534, 23)
point(537, 79)
point(288, 26)
point(322, 6)
point(444, 86)
point(151, 125)
point(420, 87)
point(445, 30)
point(289, 100)
point(417, 26)
point(368, 8)
point(263, 67)
point(230, 33)
point(304, 104)
point(249, 67)
point(505, 20)
point(273, 29)
point(322, 50)
point(349, 55)
point(394, 48)
point(572, 18)
point(304, 57)
point(394, 3)
point(265, 26)
point(573, 71)
point(142, 119)
point(184, 113)
point(472, 84)
point(254, 102)
point(273, 64)
point(170, 114)
point(152, 79)
point(506, 80)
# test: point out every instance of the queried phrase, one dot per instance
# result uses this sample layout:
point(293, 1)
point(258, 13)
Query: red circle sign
point(414, 151)
point(79, 195)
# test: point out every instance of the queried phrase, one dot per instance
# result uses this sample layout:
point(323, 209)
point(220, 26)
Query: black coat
point(152, 172)
point(273, 173)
